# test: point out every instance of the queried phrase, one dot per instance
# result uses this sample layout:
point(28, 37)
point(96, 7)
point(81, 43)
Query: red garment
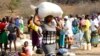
point(2, 25)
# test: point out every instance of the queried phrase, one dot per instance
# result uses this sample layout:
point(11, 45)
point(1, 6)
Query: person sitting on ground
point(26, 51)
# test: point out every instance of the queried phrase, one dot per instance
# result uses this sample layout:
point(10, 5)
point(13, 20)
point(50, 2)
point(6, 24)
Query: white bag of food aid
point(47, 8)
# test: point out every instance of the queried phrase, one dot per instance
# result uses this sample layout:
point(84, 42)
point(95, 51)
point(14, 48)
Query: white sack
point(47, 8)
point(33, 7)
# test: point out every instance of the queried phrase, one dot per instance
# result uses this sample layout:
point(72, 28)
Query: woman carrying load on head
point(49, 36)
point(36, 32)
point(34, 28)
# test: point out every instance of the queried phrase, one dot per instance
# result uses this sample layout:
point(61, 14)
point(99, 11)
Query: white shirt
point(71, 19)
point(54, 22)
point(99, 19)
point(21, 21)
point(93, 24)
point(68, 28)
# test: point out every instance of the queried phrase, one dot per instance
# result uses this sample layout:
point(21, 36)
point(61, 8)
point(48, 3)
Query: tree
point(13, 4)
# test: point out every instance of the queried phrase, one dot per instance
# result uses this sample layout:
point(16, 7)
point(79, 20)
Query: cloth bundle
point(47, 8)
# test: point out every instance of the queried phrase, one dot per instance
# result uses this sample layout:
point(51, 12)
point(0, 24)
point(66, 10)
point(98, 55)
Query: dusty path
point(78, 51)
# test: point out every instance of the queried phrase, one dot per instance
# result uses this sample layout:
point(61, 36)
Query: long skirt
point(62, 40)
point(75, 30)
point(3, 37)
point(35, 38)
point(94, 38)
point(87, 36)
point(49, 48)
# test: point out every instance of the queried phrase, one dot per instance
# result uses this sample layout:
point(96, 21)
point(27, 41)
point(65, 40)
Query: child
point(26, 51)
point(12, 33)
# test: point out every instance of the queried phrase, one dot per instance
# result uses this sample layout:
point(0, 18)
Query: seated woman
point(26, 51)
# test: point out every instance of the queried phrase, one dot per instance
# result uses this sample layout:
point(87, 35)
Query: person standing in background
point(29, 28)
point(98, 17)
point(12, 33)
point(94, 31)
point(34, 25)
point(68, 30)
point(61, 32)
point(17, 25)
point(86, 30)
point(3, 34)
point(21, 27)
point(75, 25)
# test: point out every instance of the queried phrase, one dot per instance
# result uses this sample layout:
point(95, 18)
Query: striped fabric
point(49, 37)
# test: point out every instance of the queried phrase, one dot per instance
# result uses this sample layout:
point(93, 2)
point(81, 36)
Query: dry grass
point(81, 8)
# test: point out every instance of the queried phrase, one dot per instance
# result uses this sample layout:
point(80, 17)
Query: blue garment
point(75, 22)
point(94, 37)
point(17, 23)
point(75, 30)
point(62, 38)
point(63, 50)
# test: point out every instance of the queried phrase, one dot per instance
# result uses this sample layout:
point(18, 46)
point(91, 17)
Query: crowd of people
point(52, 30)
point(63, 30)
point(10, 29)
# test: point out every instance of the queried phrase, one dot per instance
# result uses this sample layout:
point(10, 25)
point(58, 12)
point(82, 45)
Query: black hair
point(48, 18)
point(70, 15)
point(11, 20)
point(7, 18)
point(98, 13)
point(29, 20)
point(26, 43)
point(4, 19)
point(80, 18)
point(86, 16)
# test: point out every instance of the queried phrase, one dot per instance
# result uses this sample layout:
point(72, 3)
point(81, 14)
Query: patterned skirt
point(49, 41)
point(49, 37)
point(94, 37)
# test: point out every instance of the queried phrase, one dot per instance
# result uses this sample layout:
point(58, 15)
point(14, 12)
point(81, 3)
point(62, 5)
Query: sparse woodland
point(22, 7)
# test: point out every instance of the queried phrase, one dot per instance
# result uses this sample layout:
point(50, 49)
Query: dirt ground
point(79, 51)
point(94, 52)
